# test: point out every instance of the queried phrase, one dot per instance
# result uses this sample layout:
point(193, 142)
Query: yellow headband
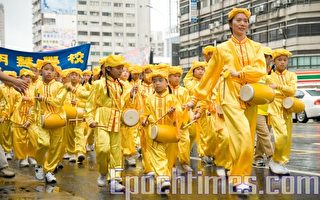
point(267, 51)
point(26, 72)
point(64, 73)
point(281, 52)
point(135, 69)
point(41, 63)
point(11, 73)
point(32, 65)
point(175, 70)
point(75, 70)
point(236, 11)
point(87, 72)
point(112, 61)
point(197, 64)
point(149, 66)
point(161, 72)
point(208, 49)
point(96, 70)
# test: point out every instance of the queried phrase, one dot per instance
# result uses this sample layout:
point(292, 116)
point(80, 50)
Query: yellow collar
point(235, 40)
point(165, 93)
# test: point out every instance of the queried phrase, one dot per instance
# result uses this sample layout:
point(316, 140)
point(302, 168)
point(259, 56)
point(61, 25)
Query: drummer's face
point(198, 72)
point(115, 72)
point(174, 79)
point(160, 84)
point(281, 63)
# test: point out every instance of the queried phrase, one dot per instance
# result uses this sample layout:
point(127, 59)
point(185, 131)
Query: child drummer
point(162, 108)
point(285, 84)
point(103, 108)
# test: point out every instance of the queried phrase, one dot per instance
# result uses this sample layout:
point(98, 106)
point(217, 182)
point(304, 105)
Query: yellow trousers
point(89, 135)
point(184, 147)
point(282, 130)
point(6, 136)
point(75, 139)
point(50, 147)
point(128, 143)
point(24, 141)
point(241, 143)
point(221, 152)
point(108, 152)
point(163, 157)
point(145, 140)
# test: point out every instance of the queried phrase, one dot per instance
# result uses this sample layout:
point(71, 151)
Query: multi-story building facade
point(54, 24)
point(2, 42)
point(290, 24)
point(113, 26)
point(157, 44)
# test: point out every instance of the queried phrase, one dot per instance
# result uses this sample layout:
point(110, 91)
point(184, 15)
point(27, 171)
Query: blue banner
point(74, 57)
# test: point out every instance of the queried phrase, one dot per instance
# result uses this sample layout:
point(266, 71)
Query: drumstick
point(160, 118)
point(189, 124)
point(74, 120)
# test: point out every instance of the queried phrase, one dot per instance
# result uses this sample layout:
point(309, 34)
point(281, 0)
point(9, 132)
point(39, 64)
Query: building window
point(94, 23)
point(118, 34)
point(106, 14)
point(131, 15)
point(106, 53)
point(92, 13)
point(95, 33)
point(49, 21)
point(131, 44)
point(82, 23)
point(204, 3)
point(82, 33)
point(80, 12)
point(118, 14)
point(131, 34)
point(130, 5)
point(95, 53)
point(82, 2)
point(82, 42)
point(130, 24)
point(106, 3)
point(119, 44)
point(106, 24)
point(107, 44)
point(117, 4)
point(95, 43)
point(107, 34)
point(118, 24)
point(94, 3)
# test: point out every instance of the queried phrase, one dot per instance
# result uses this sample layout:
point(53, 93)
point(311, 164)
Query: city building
point(2, 35)
point(54, 24)
point(290, 24)
point(113, 26)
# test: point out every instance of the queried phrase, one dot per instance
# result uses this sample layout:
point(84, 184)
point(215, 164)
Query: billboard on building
point(59, 6)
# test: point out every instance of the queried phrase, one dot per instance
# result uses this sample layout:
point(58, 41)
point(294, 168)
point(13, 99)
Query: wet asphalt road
point(79, 182)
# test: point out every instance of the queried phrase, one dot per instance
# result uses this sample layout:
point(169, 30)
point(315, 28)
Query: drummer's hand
point(145, 123)
point(25, 98)
point(39, 98)
point(93, 125)
point(196, 116)
point(190, 105)
point(69, 87)
point(74, 102)
point(235, 73)
point(171, 110)
point(273, 86)
point(26, 125)
point(133, 91)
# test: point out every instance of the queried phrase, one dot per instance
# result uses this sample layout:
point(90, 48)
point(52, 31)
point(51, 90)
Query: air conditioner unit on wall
point(216, 24)
point(211, 26)
point(280, 31)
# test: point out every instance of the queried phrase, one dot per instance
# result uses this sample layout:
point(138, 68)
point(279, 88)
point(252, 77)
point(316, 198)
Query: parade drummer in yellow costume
point(104, 108)
point(49, 96)
point(245, 62)
point(128, 144)
point(285, 84)
point(263, 141)
point(23, 126)
point(197, 130)
point(217, 143)
point(74, 132)
point(33, 67)
point(8, 103)
point(183, 96)
point(96, 73)
point(162, 155)
point(135, 71)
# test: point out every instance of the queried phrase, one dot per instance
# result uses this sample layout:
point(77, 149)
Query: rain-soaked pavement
point(79, 182)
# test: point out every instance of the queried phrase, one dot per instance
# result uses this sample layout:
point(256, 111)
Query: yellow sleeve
point(253, 73)
point(210, 77)
point(148, 111)
point(57, 99)
point(291, 87)
point(91, 104)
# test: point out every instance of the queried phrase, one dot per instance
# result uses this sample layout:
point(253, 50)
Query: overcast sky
point(18, 21)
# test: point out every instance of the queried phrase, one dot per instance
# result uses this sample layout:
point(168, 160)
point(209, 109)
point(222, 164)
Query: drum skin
point(130, 117)
point(293, 104)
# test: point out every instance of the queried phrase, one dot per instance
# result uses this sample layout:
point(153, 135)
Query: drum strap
point(112, 97)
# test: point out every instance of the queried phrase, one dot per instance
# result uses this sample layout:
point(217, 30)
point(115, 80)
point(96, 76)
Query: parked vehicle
point(311, 99)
